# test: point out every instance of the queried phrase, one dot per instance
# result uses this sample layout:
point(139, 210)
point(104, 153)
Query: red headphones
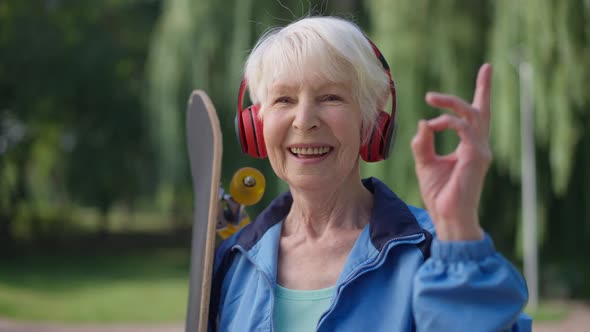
point(378, 147)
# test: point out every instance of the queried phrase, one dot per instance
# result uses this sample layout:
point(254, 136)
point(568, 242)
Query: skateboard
point(217, 214)
point(205, 151)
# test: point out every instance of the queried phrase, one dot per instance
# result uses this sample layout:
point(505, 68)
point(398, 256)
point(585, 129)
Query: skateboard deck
point(205, 151)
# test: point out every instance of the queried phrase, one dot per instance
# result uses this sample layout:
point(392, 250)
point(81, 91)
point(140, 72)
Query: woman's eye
point(282, 100)
point(331, 98)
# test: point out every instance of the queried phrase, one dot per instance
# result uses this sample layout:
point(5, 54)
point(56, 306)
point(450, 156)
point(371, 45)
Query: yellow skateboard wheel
point(230, 230)
point(247, 186)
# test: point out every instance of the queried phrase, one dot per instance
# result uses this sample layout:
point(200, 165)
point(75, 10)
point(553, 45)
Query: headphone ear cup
point(377, 148)
point(251, 137)
point(240, 131)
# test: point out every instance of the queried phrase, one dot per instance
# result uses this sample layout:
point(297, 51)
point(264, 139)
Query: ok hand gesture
point(451, 185)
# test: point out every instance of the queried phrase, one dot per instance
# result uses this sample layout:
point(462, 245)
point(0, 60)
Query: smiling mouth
point(310, 152)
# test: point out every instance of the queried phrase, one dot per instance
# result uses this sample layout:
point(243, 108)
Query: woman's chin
point(314, 182)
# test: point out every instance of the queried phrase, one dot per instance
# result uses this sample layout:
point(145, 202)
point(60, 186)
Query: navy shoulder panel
point(391, 218)
point(274, 213)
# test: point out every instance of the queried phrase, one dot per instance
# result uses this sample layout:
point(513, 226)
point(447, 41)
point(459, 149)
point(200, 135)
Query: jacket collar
point(390, 218)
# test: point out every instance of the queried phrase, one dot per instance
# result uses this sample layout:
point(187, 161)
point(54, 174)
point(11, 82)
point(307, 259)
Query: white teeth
point(310, 151)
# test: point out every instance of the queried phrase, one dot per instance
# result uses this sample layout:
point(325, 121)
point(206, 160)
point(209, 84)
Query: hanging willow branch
point(547, 35)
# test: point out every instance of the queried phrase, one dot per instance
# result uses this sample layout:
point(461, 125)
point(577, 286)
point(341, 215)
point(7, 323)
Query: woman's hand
point(451, 185)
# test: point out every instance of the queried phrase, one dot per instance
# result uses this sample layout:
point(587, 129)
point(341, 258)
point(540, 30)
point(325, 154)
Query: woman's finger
point(447, 121)
point(483, 87)
point(423, 144)
point(453, 103)
point(477, 145)
point(481, 98)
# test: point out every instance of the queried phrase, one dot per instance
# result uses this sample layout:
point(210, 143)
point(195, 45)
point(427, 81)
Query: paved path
point(578, 320)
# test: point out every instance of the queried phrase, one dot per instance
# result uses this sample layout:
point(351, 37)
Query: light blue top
point(300, 310)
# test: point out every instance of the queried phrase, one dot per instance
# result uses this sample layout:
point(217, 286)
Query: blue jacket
point(396, 278)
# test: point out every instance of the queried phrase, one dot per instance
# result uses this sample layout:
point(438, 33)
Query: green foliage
point(71, 77)
point(552, 37)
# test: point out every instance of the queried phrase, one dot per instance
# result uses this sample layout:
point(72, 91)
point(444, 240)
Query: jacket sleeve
point(468, 286)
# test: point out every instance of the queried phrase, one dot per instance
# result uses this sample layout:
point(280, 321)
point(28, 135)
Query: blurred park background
point(95, 191)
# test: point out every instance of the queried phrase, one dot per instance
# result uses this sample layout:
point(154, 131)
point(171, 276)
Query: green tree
point(71, 75)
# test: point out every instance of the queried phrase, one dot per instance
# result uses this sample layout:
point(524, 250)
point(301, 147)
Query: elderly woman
point(337, 253)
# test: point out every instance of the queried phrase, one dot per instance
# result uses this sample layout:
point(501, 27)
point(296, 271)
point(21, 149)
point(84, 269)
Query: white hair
point(329, 46)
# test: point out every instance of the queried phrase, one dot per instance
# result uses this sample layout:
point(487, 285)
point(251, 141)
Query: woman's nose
point(306, 117)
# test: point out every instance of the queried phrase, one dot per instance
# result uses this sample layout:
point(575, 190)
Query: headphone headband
point(239, 124)
point(242, 93)
point(385, 66)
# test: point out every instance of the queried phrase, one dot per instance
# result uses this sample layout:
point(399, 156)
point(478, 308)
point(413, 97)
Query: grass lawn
point(549, 311)
point(146, 286)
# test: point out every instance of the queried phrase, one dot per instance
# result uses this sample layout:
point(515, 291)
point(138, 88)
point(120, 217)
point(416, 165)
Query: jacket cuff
point(462, 250)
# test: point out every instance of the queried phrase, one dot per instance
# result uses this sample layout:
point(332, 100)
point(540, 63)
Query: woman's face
point(312, 131)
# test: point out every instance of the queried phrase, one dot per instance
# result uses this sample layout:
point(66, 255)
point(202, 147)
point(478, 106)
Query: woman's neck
point(344, 207)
